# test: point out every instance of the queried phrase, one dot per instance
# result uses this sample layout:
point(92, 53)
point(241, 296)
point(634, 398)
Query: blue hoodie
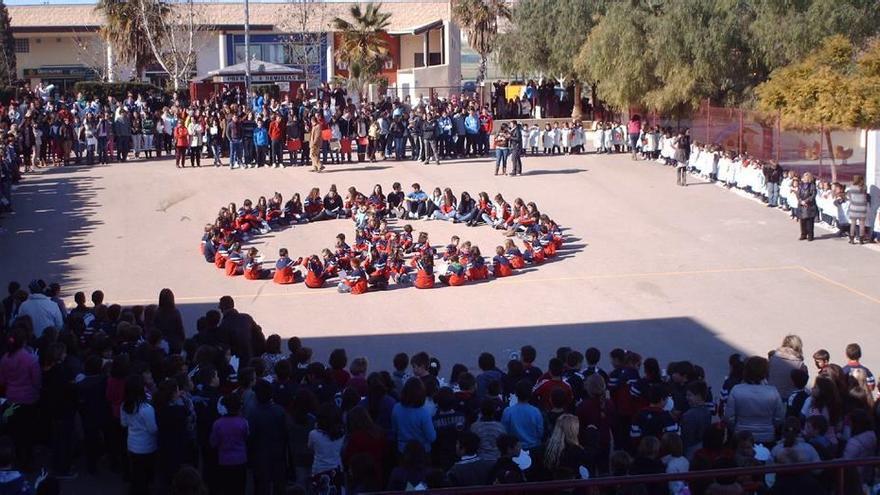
point(261, 136)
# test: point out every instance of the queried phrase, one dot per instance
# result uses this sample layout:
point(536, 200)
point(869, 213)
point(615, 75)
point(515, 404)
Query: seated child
point(343, 252)
point(547, 243)
point(377, 269)
point(405, 239)
point(451, 248)
point(315, 273)
point(293, 211)
point(476, 267)
point(222, 254)
point(514, 255)
point(235, 261)
point(274, 210)
point(331, 264)
point(397, 267)
point(500, 264)
point(355, 280)
point(533, 254)
point(455, 272)
point(253, 267)
point(284, 272)
point(425, 272)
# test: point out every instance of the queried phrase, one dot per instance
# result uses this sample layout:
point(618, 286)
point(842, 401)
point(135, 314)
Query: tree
point(480, 19)
point(174, 36)
point(837, 86)
point(546, 36)
point(363, 46)
point(7, 48)
point(125, 32)
point(298, 19)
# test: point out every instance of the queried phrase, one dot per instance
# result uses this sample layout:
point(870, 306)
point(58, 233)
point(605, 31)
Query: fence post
point(841, 484)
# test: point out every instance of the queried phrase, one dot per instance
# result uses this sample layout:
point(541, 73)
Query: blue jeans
point(501, 159)
point(216, 151)
point(466, 217)
point(234, 152)
point(772, 194)
point(102, 150)
point(399, 147)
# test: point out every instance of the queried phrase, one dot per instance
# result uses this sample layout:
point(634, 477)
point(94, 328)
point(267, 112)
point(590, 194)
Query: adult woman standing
point(181, 144)
point(195, 130)
point(501, 150)
point(806, 195)
point(634, 127)
point(857, 196)
point(787, 357)
point(140, 418)
point(168, 321)
point(753, 405)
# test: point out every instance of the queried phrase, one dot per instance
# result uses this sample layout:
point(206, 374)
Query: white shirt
point(43, 312)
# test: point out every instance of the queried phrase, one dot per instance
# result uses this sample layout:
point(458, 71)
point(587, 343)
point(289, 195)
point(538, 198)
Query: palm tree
point(480, 18)
point(363, 46)
point(124, 32)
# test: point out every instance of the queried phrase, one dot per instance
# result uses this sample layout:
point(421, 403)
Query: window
point(22, 45)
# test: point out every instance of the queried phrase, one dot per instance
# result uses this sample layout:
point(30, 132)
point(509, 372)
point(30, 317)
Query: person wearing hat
point(42, 311)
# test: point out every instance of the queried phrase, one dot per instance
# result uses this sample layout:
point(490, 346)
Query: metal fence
point(843, 473)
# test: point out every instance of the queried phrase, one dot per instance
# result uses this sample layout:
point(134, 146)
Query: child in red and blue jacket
point(355, 280)
point(500, 264)
point(284, 272)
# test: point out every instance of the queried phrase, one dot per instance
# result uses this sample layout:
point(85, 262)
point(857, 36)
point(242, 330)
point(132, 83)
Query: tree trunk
point(577, 113)
point(831, 154)
point(481, 75)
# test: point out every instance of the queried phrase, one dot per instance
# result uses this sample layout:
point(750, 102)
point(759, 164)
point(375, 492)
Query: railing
point(592, 485)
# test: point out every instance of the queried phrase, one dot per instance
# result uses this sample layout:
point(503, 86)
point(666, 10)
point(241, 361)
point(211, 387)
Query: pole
point(778, 133)
point(708, 121)
point(821, 133)
point(247, 52)
point(740, 136)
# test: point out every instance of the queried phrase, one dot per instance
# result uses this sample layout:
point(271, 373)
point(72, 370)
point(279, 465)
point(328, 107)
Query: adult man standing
point(516, 138)
point(315, 145)
point(233, 133)
point(429, 139)
point(43, 312)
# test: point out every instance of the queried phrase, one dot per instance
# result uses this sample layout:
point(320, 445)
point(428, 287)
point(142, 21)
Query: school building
point(60, 45)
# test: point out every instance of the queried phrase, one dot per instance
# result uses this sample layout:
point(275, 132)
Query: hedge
point(119, 90)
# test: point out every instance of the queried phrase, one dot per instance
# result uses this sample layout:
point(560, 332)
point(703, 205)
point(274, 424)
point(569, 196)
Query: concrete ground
point(676, 273)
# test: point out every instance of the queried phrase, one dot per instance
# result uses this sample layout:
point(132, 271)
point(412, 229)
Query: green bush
point(119, 90)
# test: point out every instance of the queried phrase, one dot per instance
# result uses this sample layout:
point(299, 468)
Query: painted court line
point(509, 281)
point(841, 285)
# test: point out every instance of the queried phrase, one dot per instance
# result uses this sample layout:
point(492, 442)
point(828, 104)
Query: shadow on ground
point(57, 212)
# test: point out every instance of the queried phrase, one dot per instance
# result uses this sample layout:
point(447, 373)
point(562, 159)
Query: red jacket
point(181, 136)
point(276, 130)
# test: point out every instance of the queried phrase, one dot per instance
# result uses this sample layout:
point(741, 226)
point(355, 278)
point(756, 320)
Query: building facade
point(60, 45)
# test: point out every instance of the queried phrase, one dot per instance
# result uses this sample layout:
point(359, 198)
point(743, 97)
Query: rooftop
point(283, 16)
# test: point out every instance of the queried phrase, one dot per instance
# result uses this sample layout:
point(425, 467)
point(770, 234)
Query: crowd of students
point(126, 389)
point(845, 208)
point(382, 250)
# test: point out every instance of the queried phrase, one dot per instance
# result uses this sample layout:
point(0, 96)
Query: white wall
point(413, 44)
point(872, 171)
point(208, 52)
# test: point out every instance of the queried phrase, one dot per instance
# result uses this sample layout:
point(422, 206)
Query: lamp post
point(247, 52)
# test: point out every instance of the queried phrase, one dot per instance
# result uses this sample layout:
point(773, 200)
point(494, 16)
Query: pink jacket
point(20, 374)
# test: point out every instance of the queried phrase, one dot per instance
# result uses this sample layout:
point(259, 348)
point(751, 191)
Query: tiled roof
point(404, 15)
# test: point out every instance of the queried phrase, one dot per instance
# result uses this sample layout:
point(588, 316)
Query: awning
point(261, 72)
point(419, 29)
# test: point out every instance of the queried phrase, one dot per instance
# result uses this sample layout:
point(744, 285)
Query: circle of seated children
point(381, 254)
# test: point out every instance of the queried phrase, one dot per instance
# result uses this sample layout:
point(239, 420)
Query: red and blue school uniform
point(451, 250)
point(516, 259)
point(397, 267)
point(501, 267)
point(284, 273)
point(379, 271)
point(221, 256)
point(533, 255)
point(246, 220)
point(455, 275)
point(548, 245)
point(377, 203)
point(523, 219)
point(556, 233)
point(315, 274)
point(207, 247)
point(477, 269)
point(424, 275)
point(405, 241)
point(361, 244)
point(273, 212)
point(313, 206)
point(344, 255)
point(356, 279)
point(253, 269)
point(234, 264)
point(331, 266)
